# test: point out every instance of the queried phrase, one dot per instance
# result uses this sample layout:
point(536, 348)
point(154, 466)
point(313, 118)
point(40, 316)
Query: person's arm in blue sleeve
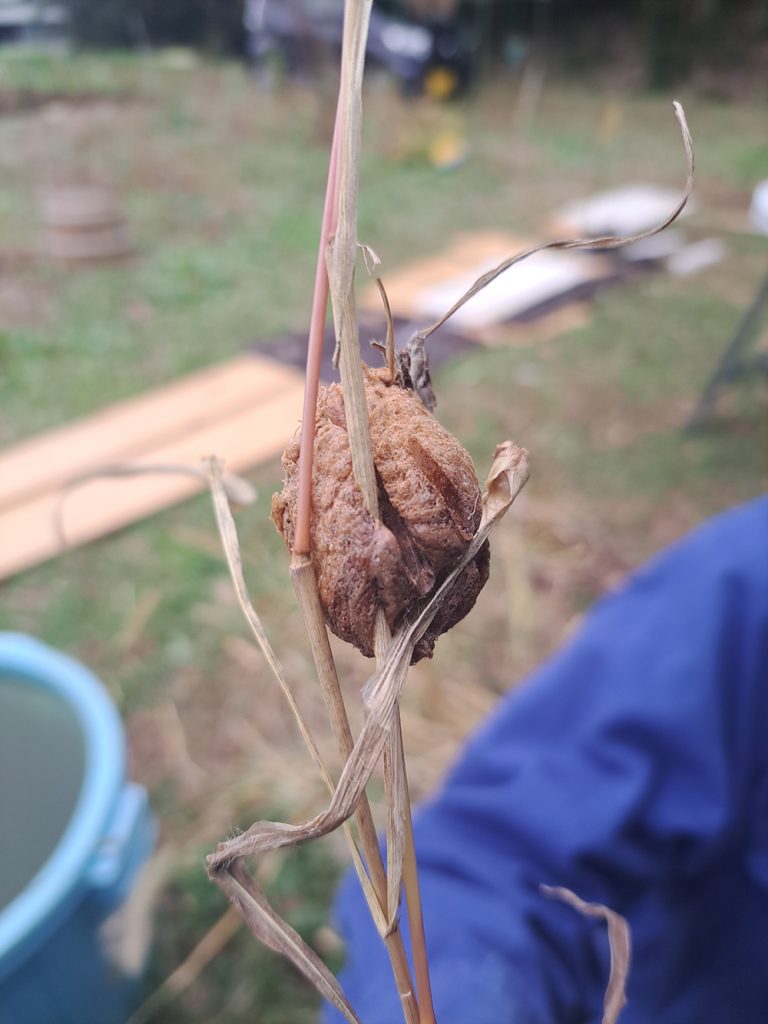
point(626, 770)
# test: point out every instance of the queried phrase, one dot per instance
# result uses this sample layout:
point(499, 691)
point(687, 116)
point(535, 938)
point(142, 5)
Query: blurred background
point(162, 168)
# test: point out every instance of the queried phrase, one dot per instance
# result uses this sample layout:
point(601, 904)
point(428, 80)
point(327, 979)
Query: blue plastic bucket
point(73, 924)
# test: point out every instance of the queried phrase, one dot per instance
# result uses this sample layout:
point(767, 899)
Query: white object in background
point(696, 256)
point(530, 283)
point(758, 211)
point(657, 247)
point(624, 211)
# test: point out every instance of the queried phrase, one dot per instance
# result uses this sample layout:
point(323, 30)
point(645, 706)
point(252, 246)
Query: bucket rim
point(64, 872)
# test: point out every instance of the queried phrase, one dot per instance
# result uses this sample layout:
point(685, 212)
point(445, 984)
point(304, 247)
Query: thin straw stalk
point(207, 949)
point(305, 586)
point(402, 866)
point(342, 252)
point(305, 582)
point(341, 269)
point(619, 940)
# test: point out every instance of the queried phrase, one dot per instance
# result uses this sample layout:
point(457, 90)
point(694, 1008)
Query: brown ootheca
point(430, 503)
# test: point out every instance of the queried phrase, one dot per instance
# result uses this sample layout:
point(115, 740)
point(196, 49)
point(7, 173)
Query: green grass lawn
point(222, 187)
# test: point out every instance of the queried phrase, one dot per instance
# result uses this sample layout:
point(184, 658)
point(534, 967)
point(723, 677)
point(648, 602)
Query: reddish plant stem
point(302, 543)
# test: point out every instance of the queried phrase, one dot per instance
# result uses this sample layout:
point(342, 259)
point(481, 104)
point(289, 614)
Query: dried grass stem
point(341, 270)
point(305, 587)
point(315, 354)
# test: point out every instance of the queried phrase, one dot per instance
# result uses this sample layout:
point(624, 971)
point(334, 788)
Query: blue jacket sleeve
point(622, 769)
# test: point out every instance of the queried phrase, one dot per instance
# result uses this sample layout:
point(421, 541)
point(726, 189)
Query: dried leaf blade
point(507, 476)
point(619, 940)
point(280, 937)
point(395, 786)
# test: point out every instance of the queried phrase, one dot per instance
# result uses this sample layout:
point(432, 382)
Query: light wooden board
point(127, 430)
point(251, 428)
point(550, 325)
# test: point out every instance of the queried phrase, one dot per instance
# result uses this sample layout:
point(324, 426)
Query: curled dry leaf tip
point(619, 941)
point(507, 476)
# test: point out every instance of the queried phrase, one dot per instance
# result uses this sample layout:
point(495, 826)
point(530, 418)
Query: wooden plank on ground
point(549, 325)
point(28, 530)
point(128, 430)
